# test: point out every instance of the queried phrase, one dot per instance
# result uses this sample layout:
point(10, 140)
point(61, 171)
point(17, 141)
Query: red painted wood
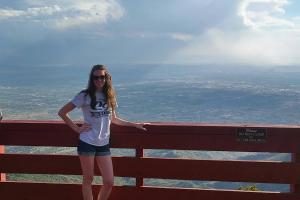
point(159, 136)
point(185, 169)
point(204, 137)
point(2, 175)
point(40, 164)
point(61, 164)
point(219, 170)
point(181, 136)
point(139, 178)
point(50, 191)
point(150, 193)
point(295, 188)
point(37, 133)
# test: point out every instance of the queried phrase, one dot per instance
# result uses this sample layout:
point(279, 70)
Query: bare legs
point(105, 165)
point(87, 166)
point(106, 168)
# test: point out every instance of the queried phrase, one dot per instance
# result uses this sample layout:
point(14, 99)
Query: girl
point(98, 104)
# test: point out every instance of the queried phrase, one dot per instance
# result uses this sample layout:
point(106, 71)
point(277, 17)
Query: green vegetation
point(249, 188)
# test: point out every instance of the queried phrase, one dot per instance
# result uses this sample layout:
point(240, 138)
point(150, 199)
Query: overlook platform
point(169, 136)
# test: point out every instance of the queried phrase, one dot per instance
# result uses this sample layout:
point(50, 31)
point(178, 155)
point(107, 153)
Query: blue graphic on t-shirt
point(101, 109)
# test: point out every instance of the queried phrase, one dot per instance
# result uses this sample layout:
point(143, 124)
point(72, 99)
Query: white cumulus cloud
point(267, 38)
point(264, 13)
point(65, 13)
point(9, 13)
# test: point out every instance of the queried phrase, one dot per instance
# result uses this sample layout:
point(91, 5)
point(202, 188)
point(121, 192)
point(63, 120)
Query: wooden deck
point(173, 136)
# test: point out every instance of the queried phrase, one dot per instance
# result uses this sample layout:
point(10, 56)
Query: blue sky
point(59, 32)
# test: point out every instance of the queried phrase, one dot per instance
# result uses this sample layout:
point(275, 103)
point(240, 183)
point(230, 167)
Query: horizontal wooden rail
point(162, 168)
point(50, 191)
point(280, 139)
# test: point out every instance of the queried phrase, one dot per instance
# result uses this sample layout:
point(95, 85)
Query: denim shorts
point(85, 149)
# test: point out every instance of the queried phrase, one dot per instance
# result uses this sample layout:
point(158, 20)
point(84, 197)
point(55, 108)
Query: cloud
point(65, 14)
point(267, 38)
point(262, 13)
point(181, 36)
point(154, 35)
point(259, 32)
point(5, 14)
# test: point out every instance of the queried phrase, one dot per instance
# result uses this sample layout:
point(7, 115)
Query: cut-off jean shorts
point(85, 149)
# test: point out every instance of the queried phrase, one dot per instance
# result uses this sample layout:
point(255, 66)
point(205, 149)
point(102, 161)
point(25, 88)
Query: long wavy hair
point(108, 89)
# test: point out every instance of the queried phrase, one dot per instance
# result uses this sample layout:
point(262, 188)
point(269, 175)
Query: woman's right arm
point(63, 113)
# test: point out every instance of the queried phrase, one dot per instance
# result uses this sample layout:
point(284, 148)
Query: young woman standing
point(98, 104)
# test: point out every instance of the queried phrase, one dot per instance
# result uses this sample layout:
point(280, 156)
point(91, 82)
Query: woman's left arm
point(122, 122)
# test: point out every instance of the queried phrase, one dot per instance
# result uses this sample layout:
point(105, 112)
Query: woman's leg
point(106, 168)
point(87, 166)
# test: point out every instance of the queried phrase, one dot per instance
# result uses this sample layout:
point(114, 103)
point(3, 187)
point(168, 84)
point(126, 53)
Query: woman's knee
point(108, 183)
point(88, 178)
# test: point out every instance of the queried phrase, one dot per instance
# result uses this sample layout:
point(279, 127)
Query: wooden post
point(139, 153)
point(2, 175)
point(295, 188)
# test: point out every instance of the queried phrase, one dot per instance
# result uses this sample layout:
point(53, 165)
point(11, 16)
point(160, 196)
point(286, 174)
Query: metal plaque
point(251, 135)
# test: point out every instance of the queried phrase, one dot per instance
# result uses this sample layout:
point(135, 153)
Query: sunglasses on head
point(101, 78)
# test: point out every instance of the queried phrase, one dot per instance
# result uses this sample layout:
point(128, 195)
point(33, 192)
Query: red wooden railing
point(179, 136)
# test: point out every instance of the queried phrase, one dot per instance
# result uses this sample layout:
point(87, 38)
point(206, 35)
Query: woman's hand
point(84, 128)
point(122, 122)
point(141, 126)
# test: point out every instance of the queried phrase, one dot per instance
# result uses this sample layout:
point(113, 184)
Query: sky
point(227, 32)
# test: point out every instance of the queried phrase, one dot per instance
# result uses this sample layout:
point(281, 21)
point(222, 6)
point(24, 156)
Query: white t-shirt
point(99, 118)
